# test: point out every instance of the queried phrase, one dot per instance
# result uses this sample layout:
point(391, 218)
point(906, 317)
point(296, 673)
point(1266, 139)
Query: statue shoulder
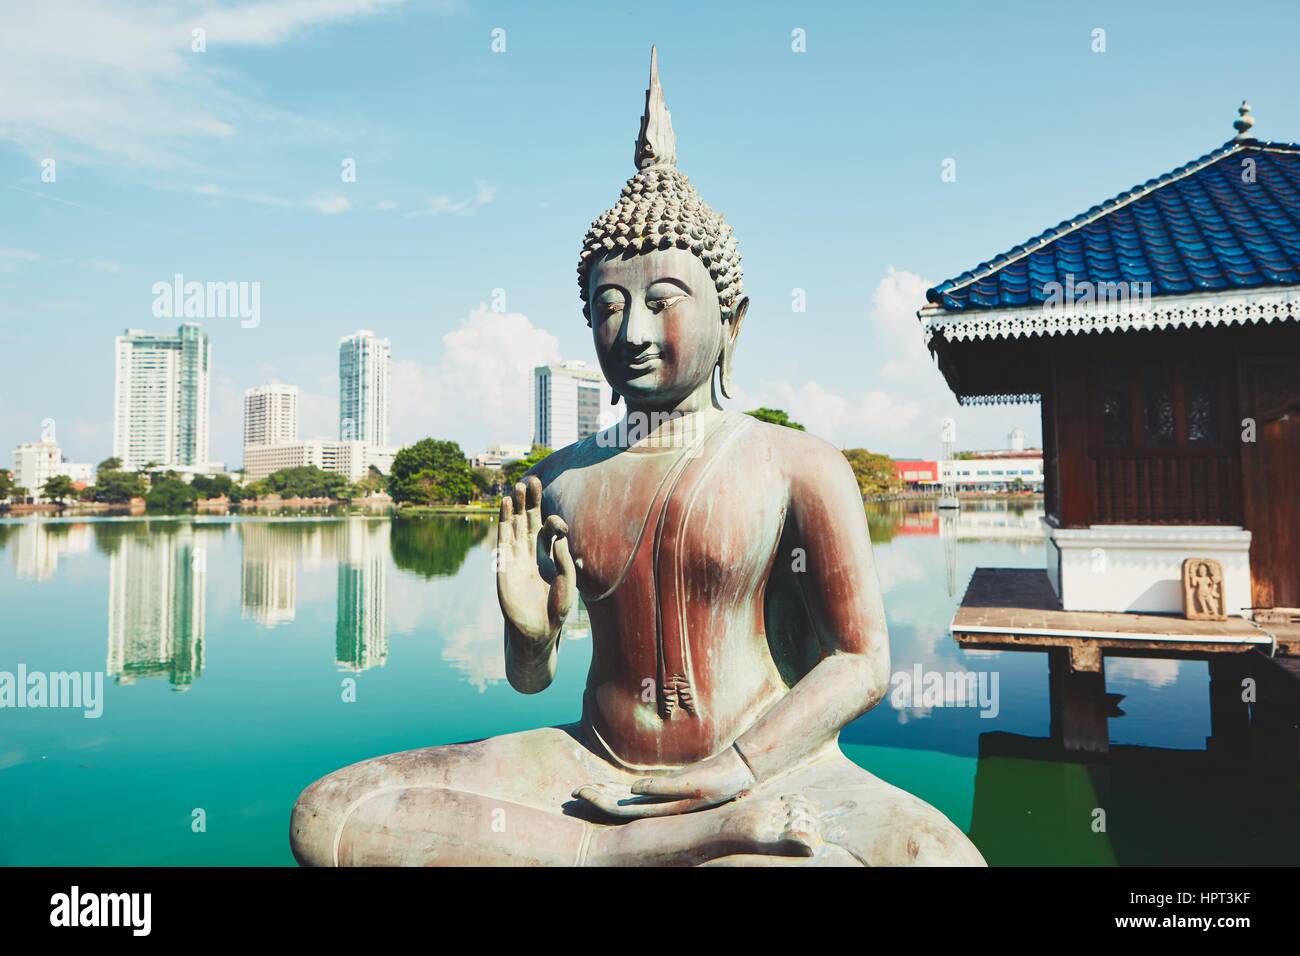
point(797, 446)
point(554, 465)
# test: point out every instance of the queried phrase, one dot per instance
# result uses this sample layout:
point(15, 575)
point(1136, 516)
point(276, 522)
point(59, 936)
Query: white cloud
point(118, 82)
point(907, 399)
point(478, 391)
point(327, 204)
point(444, 205)
point(25, 254)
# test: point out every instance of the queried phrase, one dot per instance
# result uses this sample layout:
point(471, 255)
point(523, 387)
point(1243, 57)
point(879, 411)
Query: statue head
point(660, 276)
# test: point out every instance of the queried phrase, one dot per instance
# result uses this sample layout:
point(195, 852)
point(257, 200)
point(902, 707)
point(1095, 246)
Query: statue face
point(657, 324)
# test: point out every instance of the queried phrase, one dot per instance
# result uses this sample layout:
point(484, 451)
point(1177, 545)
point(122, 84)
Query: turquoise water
point(231, 648)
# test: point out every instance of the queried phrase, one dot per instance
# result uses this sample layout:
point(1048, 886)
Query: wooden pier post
point(1077, 678)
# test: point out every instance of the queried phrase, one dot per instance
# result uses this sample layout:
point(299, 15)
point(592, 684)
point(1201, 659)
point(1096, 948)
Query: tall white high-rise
point(161, 398)
point(567, 402)
point(270, 414)
point(363, 388)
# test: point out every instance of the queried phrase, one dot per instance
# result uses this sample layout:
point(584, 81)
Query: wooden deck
point(1013, 609)
point(1016, 609)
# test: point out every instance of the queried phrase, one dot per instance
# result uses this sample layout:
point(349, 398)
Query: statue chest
point(691, 531)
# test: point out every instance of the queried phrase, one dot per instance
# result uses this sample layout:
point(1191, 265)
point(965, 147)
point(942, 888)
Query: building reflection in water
point(361, 632)
point(360, 550)
point(37, 546)
point(268, 583)
point(156, 602)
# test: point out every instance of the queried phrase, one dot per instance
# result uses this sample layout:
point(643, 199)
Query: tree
point(213, 486)
point(109, 464)
point(514, 472)
point(58, 488)
point(875, 473)
point(118, 487)
point(170, 494)
point(6, 483)
point(774, 416)
point(431, 472)
point(307, 481)
point(487, 481)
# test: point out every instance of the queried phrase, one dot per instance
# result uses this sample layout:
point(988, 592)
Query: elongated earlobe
point(729, 346)
point(614, 397)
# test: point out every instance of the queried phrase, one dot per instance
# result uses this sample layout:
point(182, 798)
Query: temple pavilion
point(1158, 330)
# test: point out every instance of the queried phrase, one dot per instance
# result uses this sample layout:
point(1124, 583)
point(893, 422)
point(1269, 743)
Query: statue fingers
point(533, 501)
point(671, 786)
point(616, 804)
point(505, 527)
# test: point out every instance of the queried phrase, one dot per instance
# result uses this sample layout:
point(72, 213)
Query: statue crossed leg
point(508, 801)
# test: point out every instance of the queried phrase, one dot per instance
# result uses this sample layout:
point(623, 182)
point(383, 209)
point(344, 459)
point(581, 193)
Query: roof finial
point(656, 145)
point(1244, 121)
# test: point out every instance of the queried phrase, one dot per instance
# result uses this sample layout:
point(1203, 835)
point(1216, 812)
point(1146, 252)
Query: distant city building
point(161, 398)
point(567, 401)
point(998, 470)
point(498, 455)
point(351, 459)
point(363, 388)
point(37, 462)
point(270, 415)
point(917, 475)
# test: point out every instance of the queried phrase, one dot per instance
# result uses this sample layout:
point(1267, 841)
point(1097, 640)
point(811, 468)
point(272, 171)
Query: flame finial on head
point(656, 144)
point(660, 209)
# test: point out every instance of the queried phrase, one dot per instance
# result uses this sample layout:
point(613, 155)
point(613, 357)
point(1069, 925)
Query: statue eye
point(609, 307)
point(667, 302)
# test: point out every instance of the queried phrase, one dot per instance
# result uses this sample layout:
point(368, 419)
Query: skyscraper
point(363, 388)
point(161, 398)
point(270, 414)
point(567, 401)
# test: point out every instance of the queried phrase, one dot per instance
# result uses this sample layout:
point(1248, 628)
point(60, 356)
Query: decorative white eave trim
point(1228, 307)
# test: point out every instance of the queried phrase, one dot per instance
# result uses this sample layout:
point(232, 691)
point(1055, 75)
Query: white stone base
point(1139, 567)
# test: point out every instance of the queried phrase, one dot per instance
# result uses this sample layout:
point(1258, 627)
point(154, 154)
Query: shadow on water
point(1140, 806)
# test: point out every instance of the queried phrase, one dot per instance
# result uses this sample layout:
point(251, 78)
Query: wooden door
point(1270, 395)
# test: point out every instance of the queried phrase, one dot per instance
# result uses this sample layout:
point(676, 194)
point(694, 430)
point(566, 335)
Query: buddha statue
point(737, 623)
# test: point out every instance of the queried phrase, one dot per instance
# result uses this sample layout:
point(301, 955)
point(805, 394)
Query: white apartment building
point(364, 388)
point(37, 462)
point(567, 402)
point(270, 414)
point(161, 398)
point(996, 470)
point(498, 455)
point(351, 459)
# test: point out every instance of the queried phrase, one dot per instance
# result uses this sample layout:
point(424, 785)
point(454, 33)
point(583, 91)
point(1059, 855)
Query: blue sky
point(480, 171)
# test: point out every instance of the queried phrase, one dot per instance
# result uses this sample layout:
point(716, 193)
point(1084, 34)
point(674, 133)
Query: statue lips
point(642, 361)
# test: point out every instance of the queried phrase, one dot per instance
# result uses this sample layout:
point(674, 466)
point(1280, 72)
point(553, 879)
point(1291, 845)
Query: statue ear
point(729, 337)
point(613, 397)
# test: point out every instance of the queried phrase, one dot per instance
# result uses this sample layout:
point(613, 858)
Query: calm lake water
point(226, 645)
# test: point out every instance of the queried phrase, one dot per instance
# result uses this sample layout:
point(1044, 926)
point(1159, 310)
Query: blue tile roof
point(1199, 228)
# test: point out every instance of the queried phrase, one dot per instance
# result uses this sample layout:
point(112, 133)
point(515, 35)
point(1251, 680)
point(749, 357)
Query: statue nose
point(638, 325)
